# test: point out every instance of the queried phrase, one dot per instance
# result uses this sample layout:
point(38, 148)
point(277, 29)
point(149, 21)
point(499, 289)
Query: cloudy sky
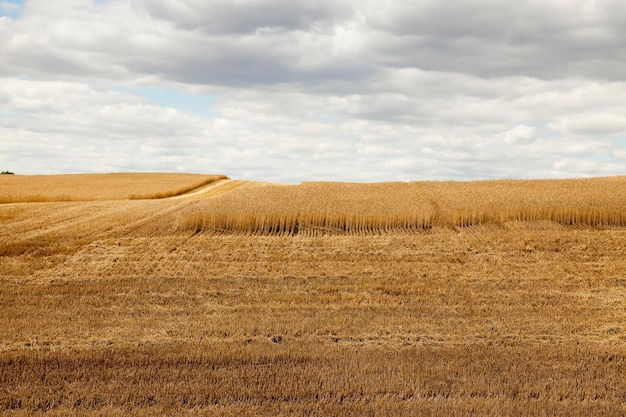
point(296, 90)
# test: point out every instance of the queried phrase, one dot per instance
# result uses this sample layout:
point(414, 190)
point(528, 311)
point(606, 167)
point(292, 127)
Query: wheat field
point(411, 299)
point(87, 187)
point(313, 209)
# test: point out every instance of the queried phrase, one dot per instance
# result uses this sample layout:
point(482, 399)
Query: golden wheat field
point(114, 186)
point(496, 298)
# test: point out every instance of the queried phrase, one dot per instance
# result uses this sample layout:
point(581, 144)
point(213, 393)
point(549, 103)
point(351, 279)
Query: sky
point(303, 90)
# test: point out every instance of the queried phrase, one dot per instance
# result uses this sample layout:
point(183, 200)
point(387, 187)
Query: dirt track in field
point(214, 189)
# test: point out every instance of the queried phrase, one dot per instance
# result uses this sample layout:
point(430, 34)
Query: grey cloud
point(173, 50)
point(247, 66)
point(270, 42)
point(500, 38)
point(245, 17)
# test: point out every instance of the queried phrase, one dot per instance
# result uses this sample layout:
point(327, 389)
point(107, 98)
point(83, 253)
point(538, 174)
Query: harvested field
point(124, 308)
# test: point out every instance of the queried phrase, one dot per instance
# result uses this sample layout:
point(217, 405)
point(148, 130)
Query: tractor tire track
point(66, 227)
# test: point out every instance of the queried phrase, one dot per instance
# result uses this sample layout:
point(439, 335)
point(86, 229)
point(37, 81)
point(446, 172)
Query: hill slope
point(89, 187)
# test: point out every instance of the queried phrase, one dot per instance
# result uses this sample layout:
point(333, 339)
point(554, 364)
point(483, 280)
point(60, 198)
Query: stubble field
point(241, 298)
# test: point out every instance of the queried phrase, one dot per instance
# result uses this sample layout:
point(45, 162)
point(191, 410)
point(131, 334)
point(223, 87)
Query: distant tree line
point(7, 173)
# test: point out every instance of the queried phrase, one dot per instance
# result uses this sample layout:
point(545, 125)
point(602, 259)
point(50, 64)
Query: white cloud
point(356, 90)
point(592, 124)
point(520, 134)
